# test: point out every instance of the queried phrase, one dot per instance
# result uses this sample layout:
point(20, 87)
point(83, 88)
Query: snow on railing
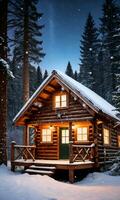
point(82, 152)
point(22, 152)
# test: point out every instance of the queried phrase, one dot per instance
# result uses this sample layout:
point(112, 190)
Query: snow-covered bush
point(115, 168)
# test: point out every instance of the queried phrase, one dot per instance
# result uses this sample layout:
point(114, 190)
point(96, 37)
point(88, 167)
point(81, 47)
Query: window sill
point(46, 143)
point(82, 142)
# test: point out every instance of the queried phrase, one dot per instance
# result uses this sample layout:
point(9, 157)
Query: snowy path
point(96, 186)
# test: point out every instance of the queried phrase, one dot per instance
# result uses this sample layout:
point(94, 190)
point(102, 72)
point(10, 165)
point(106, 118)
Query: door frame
point(60, 144)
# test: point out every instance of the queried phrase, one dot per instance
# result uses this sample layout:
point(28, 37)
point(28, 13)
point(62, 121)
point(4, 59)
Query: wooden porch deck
point(59, 164)
point(22, 155)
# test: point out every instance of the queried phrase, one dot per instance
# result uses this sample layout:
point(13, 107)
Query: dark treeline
point(100, 54)
point(22, 46)
point(23, 51)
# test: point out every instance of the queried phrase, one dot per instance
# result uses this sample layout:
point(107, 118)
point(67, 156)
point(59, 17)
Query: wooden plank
point(71, 176)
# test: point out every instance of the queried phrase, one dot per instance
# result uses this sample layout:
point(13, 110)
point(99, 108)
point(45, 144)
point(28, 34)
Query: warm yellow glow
point(118, 140)
point(60, 101)
point(82, 134)
point(106, 136)
point(65, 136)
point(46, 135)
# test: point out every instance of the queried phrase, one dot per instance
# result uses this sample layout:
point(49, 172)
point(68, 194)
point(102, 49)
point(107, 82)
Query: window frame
point(46, 142)
point(82, 141)
point(118, 141)
point(60, 102)
point(106, 144)
point(65, 136)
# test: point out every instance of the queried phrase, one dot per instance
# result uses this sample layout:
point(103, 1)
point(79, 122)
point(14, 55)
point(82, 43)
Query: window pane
point(63, 98)
point(44, 138)
point(84, 137)
point(63, 133)
point(82, 134)
point(46, 135)
point(49, 138)
point(79, 130)
point(63, 104)
point(57, 104)
point(63, 140)
point(79, 137)
point(85, 130)
point(67, 140)
point(57, 98)
point(67, 133)
point(118, 140)
point(106, 136)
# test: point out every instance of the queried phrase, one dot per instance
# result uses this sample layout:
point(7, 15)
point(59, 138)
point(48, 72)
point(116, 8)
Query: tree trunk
point(3, 82)
point(26, 53)
point(3, 28)
point(26, 61)
point(3, 116)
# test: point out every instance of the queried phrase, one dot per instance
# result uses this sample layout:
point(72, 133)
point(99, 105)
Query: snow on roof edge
point(30, 99)
point(96, 100)
point(87, 93)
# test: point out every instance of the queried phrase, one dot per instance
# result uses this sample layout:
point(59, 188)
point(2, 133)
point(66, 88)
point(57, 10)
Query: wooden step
point(41, 172)
point(42, 167)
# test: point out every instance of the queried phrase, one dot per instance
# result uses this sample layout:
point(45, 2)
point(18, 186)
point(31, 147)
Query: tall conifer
point(89, 52)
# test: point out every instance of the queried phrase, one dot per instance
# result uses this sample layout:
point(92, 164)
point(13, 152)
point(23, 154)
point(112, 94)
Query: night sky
point(64, 22)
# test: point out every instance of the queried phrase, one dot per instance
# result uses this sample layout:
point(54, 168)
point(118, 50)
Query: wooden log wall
point(48, 113)
point(51, 150)
point(107, 153)
point(48, 151)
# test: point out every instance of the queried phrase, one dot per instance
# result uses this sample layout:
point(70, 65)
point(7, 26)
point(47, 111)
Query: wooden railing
point(22, 152)
point(82, 153)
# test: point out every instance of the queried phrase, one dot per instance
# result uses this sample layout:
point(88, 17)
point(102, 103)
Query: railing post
point(13, 143)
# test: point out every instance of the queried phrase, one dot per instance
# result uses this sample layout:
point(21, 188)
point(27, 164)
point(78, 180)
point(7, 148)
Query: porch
point(81, 157)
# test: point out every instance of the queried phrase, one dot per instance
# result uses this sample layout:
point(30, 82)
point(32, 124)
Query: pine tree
point(45, 75)
point(28, 33)
point(89, 52)
point(39, 76)
point(69, 70)
point(116, 94)
point(110, 37)
point(75, 75)
point(33, 76)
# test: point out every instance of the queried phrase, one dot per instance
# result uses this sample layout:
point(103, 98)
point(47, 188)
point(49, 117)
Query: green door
point(64, 143)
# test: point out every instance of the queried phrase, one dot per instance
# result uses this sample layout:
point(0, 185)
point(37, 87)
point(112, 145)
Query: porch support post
point(70, 142)
point(71, 175)
point(96, 142)
point(13, 143)
point(26, 135)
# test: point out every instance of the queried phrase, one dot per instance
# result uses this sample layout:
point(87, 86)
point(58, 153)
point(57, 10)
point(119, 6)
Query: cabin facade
point(72, 127)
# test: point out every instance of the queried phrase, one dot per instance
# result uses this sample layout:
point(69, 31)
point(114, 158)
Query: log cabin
point(73, 128)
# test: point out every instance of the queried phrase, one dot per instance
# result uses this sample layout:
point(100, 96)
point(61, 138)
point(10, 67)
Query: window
point(106, 136)
point(65, 136)
point(46, 135)
point(118, 140)
point(82, 134)
point(60, 101)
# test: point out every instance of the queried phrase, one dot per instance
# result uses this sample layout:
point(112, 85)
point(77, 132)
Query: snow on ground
point(96, 186)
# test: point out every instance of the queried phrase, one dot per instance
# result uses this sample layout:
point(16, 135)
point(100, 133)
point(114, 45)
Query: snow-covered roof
point(88, 96)
point(98, 102)
point(5, 66)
